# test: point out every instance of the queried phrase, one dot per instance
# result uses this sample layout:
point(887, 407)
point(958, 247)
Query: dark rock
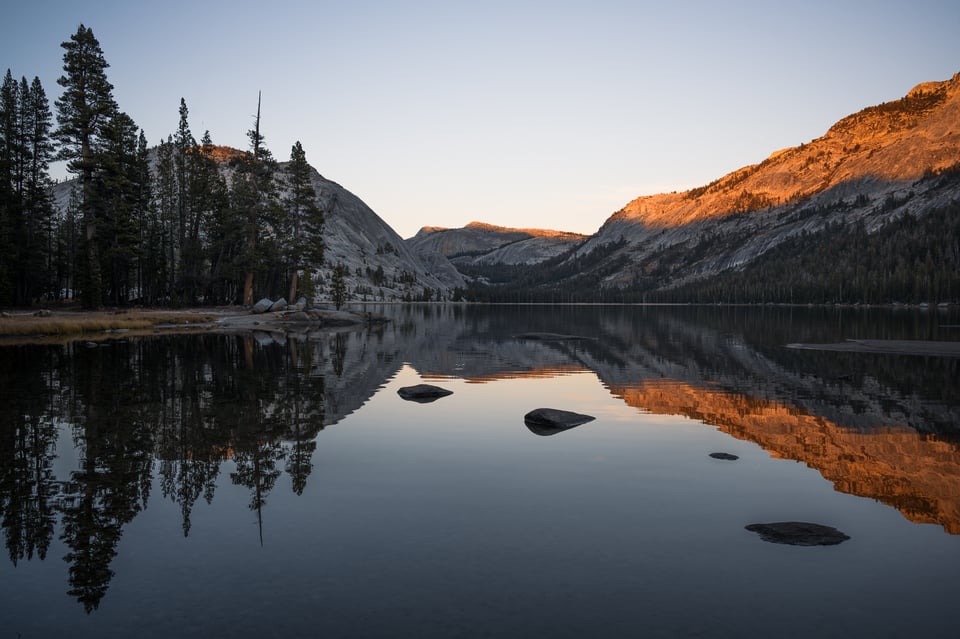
point(550, 337)
point(279, 305)
point(423, 393)
point(262, 306)
point(726, 456)
point(550, 421)
point(298, 316)
point(798, 533)
point(42, 313)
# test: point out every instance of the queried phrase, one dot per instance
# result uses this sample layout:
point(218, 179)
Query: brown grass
point(79, 323)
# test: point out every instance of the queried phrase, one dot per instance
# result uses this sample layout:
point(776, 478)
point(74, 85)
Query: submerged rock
point(262, 306)
point(726, 456)
point(423, 393)
point(550, 421)
point(550, 337)
point(798, 533)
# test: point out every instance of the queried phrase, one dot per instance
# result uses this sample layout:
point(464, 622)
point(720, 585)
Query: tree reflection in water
point(175, 409)
point(179, 406)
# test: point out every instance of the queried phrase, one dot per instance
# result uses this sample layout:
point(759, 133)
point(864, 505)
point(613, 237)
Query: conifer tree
point(338, 286)
point(184, 144)
point(38, 207)
point(304, 232)
point(254, 199)
point(146, 223)
point(83, 109)
point(165, 196)
point(9, 209)
point(117, 190)
point(26, 211)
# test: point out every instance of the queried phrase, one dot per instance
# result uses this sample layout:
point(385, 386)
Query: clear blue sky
point(550, 114)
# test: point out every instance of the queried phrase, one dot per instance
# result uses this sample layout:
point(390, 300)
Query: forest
point(181, 223)
point(913, 260)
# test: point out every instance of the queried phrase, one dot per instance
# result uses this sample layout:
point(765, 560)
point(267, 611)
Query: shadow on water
point(173, 411)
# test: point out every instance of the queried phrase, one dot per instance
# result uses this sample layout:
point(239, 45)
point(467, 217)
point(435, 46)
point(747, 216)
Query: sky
point(526, 114)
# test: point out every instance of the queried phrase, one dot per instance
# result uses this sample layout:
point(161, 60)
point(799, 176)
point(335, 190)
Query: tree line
point(183, 223)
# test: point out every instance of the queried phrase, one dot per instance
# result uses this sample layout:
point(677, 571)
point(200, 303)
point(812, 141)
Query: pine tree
point(146, 222)
point(184, 144)
point(165, 195)
point(9, 207)
point(305, 219)
point(38, 205)
point(118, 190)
point(83, 109)
point(26, 211)
point(253, 195)
point(338, 286)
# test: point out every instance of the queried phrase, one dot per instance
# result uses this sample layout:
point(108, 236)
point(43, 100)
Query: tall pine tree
point(304, 232)
point(85, 106)
point(253, 196)
point(9, 207)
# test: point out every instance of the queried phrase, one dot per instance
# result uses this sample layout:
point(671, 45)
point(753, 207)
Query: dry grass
point(79, 323)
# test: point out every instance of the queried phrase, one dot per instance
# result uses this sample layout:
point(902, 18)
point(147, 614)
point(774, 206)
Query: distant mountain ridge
point(868, 170)
point(481, 243)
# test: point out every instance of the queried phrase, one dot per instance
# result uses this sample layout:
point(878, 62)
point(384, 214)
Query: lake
point(270, 485)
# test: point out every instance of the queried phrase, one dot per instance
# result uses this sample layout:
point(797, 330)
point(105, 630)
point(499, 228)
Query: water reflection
point(177, 408)
point(177, 412)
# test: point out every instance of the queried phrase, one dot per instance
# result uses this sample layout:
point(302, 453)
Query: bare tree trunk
point(293, 287)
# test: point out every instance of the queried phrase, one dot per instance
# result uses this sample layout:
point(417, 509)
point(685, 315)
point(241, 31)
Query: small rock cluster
point(269, 306)
point(550, 421)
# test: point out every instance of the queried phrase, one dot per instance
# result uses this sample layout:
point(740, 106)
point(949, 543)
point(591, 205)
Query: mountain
point(380, 266)
point(892, 162)
point(478, 243)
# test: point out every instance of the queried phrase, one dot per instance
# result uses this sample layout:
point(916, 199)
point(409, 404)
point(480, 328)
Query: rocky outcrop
point(378, 264)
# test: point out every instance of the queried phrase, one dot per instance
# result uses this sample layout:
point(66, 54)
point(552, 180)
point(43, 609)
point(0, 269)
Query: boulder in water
point(423, 393)
point(550, 421)
point(799, 533)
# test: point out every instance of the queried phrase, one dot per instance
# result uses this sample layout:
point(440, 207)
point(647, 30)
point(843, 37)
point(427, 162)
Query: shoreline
point(62, 326)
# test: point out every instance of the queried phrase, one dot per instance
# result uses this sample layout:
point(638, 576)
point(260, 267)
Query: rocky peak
point(479, 242)
point(897, 141)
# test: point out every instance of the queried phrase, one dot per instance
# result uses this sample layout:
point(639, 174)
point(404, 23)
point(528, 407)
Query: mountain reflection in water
point(174, 413)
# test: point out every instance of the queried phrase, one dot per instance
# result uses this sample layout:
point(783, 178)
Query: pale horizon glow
point(533, 114)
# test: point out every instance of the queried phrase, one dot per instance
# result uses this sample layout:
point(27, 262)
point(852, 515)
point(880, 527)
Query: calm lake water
point(277, 486)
